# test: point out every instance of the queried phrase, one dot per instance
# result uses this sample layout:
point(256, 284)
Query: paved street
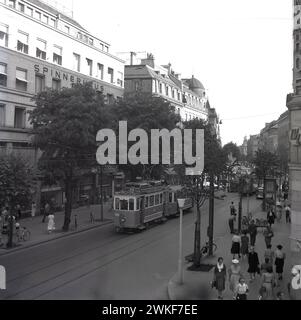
point(100, 264)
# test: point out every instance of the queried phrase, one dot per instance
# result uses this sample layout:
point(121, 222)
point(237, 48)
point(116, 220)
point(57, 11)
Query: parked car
point(259, 193)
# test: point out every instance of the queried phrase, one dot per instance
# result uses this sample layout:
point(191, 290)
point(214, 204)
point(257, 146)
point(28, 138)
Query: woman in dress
point(51, 224)
point(268, 283)
point(235, 248)
point(244, 244)
point(234, 276)
point(219, 278)
point(268, 235)
point(279, 261)
point(253, 263)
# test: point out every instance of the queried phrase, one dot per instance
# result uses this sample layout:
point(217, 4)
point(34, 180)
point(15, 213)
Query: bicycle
point(23, 234)
point(205, 248)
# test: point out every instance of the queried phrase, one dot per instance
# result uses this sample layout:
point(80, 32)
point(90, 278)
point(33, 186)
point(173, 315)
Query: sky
point(240, 50)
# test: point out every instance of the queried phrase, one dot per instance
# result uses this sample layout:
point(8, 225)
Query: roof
point(55, 12)
point(194, 83)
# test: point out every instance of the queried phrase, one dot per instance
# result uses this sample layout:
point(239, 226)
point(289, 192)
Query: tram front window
point(131, 204)
point(124, 204)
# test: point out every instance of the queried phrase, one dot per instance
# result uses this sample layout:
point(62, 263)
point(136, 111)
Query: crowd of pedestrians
point(243, 247)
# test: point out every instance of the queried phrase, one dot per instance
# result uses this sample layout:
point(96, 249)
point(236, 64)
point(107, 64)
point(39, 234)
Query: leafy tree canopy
point(265, 163)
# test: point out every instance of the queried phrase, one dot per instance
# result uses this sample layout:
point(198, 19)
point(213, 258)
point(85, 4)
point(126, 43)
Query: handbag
point(213, 284)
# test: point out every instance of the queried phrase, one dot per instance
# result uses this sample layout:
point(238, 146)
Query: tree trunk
point(211, 215)
point(197, 253)
point(68, 205)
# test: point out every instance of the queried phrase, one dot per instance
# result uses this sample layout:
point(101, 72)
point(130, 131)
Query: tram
point(141, 203)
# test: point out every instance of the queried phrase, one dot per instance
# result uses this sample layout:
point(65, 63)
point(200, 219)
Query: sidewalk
point(197, 284)
point(39, 233)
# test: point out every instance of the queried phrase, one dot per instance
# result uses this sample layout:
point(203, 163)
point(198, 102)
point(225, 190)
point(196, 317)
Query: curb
point(63, 235)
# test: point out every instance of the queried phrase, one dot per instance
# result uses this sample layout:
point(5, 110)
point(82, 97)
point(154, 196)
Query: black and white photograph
point(150, 151)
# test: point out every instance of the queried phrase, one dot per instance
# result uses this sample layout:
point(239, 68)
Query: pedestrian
point(271, 216)
point(18, 209)
point(279, 261)
point(288, 214)
point(253, 263)
point(268, 282)
point(236, 242)
point(267, 264)
point(33, 209)
point(46, 211)
point(244, 244)
point(51, 224)
point(234, 276)
point(269, 254)
point(231, 224)
point(232, 209)
point(278, 211)
point(253, 232)
point(268, 235)
point(242, 290)
point(219, 278)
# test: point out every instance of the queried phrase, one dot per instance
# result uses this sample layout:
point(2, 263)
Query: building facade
point(188, 96)
point(41, 47)
point(252, 146)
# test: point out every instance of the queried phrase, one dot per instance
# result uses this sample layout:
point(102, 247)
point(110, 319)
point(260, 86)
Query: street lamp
point(181, 203)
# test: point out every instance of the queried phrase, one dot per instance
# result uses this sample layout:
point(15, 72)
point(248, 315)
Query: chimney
point(150, 60)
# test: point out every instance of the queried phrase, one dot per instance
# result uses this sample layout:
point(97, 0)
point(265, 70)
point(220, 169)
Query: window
point(45, 19)
point(12, 3)
point(110, 98)
point(166, 90)
point(179, 96)
point(100, 71)
point(151, 201)
point(20, 116)
point(52, 22)
point(3, 74)
point(137, 204)
point(2, 115)
point(173, 93)
point(170, 197)
point(22, 43)
point(67, 29)
point(107, 48)
point(39, 83)
point(161, 197)
point(29, 11)
point(79, 36)
point(297, 37)
point(131, 204)
point(21, 7)
point(91, 41)
point(56, 84)
point(146, 202)
point(120, 78)
point(21, 79)
point(41, 49)
point(111, 73)
point(124, 204)
point(76, 62)
point(117, 203)
point(85, 38)
point(101, 46)
point(90, 66)
point(3, 35)
point(157, 199)
point(297, 63)
point(57, 55)
point(37, 15)
point(297, 47)
point(160, 87)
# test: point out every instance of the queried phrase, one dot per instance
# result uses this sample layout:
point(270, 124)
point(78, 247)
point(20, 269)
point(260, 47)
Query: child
point(242, 289)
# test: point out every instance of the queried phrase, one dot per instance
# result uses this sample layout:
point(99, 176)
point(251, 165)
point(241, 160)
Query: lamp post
point(180, 261)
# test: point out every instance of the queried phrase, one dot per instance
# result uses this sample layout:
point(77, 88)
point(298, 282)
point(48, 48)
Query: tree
point(65, 124)
point(265, 163)
point(232, 148)
point(145, 112)
point(16, 181)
